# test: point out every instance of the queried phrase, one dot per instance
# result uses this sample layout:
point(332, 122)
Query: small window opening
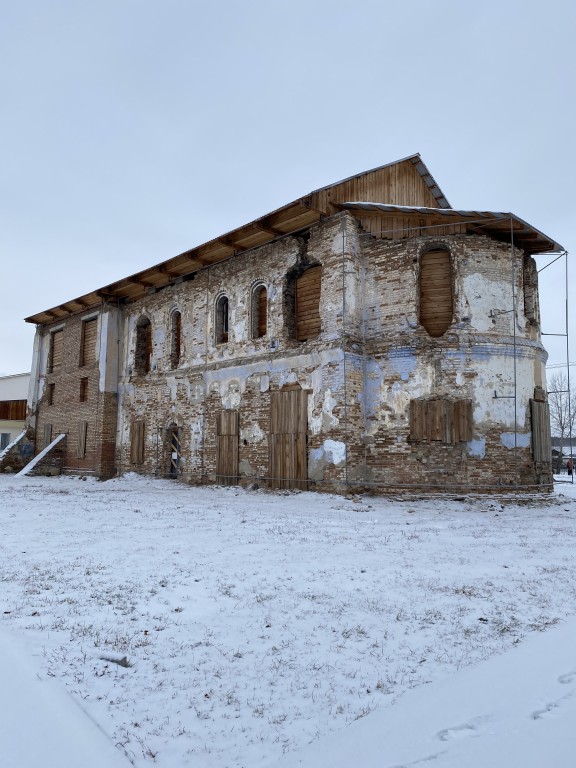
point(55, 358)
point(176, 339)
point(51, 394)
point(88, 343)
point(259, 312)
point(143, 354)
point(83, 390)
point(222, 320)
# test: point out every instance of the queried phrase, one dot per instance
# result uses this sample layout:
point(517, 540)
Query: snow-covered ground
point(215, 627)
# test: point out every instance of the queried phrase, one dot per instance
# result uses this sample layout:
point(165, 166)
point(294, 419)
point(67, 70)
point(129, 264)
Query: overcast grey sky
point(132, 130)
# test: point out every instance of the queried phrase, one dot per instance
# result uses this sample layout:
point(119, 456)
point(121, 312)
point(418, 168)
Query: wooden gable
point(406, 182)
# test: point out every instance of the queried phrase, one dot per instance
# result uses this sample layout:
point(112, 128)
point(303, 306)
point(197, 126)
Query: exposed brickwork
point(370, 360)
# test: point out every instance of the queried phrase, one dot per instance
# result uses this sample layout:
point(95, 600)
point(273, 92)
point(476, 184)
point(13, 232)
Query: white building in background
point(13, 397)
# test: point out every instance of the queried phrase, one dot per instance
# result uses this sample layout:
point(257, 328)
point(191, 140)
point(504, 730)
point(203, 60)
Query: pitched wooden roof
point(405, 183)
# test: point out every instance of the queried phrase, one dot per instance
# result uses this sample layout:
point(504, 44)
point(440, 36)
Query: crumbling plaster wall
point(241, 373)
point(475, 359)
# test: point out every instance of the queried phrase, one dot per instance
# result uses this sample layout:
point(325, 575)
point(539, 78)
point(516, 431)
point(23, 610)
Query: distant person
point(570, 465)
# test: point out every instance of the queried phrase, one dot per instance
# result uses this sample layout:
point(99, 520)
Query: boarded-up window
point(175, 339)
point(307, 300)
point(47, 435)
point(137, 443)
point(221, 324)
point(436, 302)
point(88, 346)
point(82, 434)
point(56, 348)
point(227, 436)
point(83, 390)
point(143, 352)
point(259, 312)
point(441, 420)
point(541, 443)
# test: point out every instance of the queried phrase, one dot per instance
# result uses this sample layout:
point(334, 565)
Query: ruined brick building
point(366, 335)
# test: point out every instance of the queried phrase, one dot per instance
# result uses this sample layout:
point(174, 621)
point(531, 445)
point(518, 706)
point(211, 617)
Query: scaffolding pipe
point(514, 350)
point(346, 430)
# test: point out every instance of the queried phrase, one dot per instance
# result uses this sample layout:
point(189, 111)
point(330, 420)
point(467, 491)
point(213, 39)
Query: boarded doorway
point(227, 448)
point(175, 449)
point(288, 459)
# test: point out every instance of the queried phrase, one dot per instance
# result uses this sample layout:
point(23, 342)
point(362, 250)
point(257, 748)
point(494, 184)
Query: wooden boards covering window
point(541, 442)
point(436, 302)
point(82, 434)
point(441, 420)
point(56, 349)
point(288, 459)
point(88, 351)
point(137, 442)
point(227, 436)
point(307, 307)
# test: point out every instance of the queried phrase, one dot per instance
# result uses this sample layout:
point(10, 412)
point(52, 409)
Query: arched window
point(307, 304)
point(259, 312)
point(175, 339)
point(436, 300)
point(143, 352)
point(222, 320)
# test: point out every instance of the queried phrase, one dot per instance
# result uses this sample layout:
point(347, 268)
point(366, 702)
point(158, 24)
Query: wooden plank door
point(227, 435)
point(288, 455)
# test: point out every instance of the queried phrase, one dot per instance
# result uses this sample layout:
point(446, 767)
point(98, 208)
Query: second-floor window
point(143, 353)
point(307, 304)
point(56, 348)
point(259, 312)
point(175, 339)
point(436, 302)
point(88, 341)
point(221, 320)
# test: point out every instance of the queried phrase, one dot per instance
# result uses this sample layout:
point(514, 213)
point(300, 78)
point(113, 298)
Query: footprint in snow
point(569, 677)
point(551, 708)
point(462, 731)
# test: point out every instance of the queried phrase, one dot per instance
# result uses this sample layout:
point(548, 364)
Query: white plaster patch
point(264, 383)
point(522, 440)
point(338, 243)
point(325, 419)
point(476, 448)
point(239, 329)
point(252, 434)
point(172, 387)
point(231, 400)
point(486, 296)
point(335, 451)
